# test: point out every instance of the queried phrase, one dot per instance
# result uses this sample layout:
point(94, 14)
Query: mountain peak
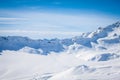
point(118, 22)
point(103, 32)
point(111, 27)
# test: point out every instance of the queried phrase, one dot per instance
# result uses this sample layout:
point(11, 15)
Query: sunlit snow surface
point(98, 59)
point(82, 65)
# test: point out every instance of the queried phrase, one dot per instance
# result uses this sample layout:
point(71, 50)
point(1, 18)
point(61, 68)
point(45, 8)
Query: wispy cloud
point(11, 20)
point(46, 21)
point(56, 3)
point(7, 18)
point(40, 22)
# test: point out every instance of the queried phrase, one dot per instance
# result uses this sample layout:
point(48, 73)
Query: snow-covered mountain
point(106, 35)
point(90, 56)
point(17, 42)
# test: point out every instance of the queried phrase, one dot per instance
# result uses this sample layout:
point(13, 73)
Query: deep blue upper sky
point(105, 6)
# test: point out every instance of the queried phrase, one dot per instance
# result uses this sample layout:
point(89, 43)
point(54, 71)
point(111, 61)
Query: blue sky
point(56, 17)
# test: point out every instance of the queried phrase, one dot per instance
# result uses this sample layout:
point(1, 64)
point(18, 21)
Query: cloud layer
point(52, 22)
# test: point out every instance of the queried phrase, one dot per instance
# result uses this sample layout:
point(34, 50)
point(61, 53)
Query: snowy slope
point(85, 64)
point(103, 71)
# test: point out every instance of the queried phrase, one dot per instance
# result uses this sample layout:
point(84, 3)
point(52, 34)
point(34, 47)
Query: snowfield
point(17, 65)
point(90, 56)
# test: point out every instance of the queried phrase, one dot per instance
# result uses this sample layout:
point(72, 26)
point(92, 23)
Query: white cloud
point(39, 34)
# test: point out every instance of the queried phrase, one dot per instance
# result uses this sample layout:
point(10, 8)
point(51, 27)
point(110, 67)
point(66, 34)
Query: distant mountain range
point(98, 39)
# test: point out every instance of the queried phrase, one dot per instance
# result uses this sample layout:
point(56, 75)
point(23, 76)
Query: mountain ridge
point(101, 35)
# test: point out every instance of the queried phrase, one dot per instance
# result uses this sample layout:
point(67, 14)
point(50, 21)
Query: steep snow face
point(105, 57)
point(112, 38)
